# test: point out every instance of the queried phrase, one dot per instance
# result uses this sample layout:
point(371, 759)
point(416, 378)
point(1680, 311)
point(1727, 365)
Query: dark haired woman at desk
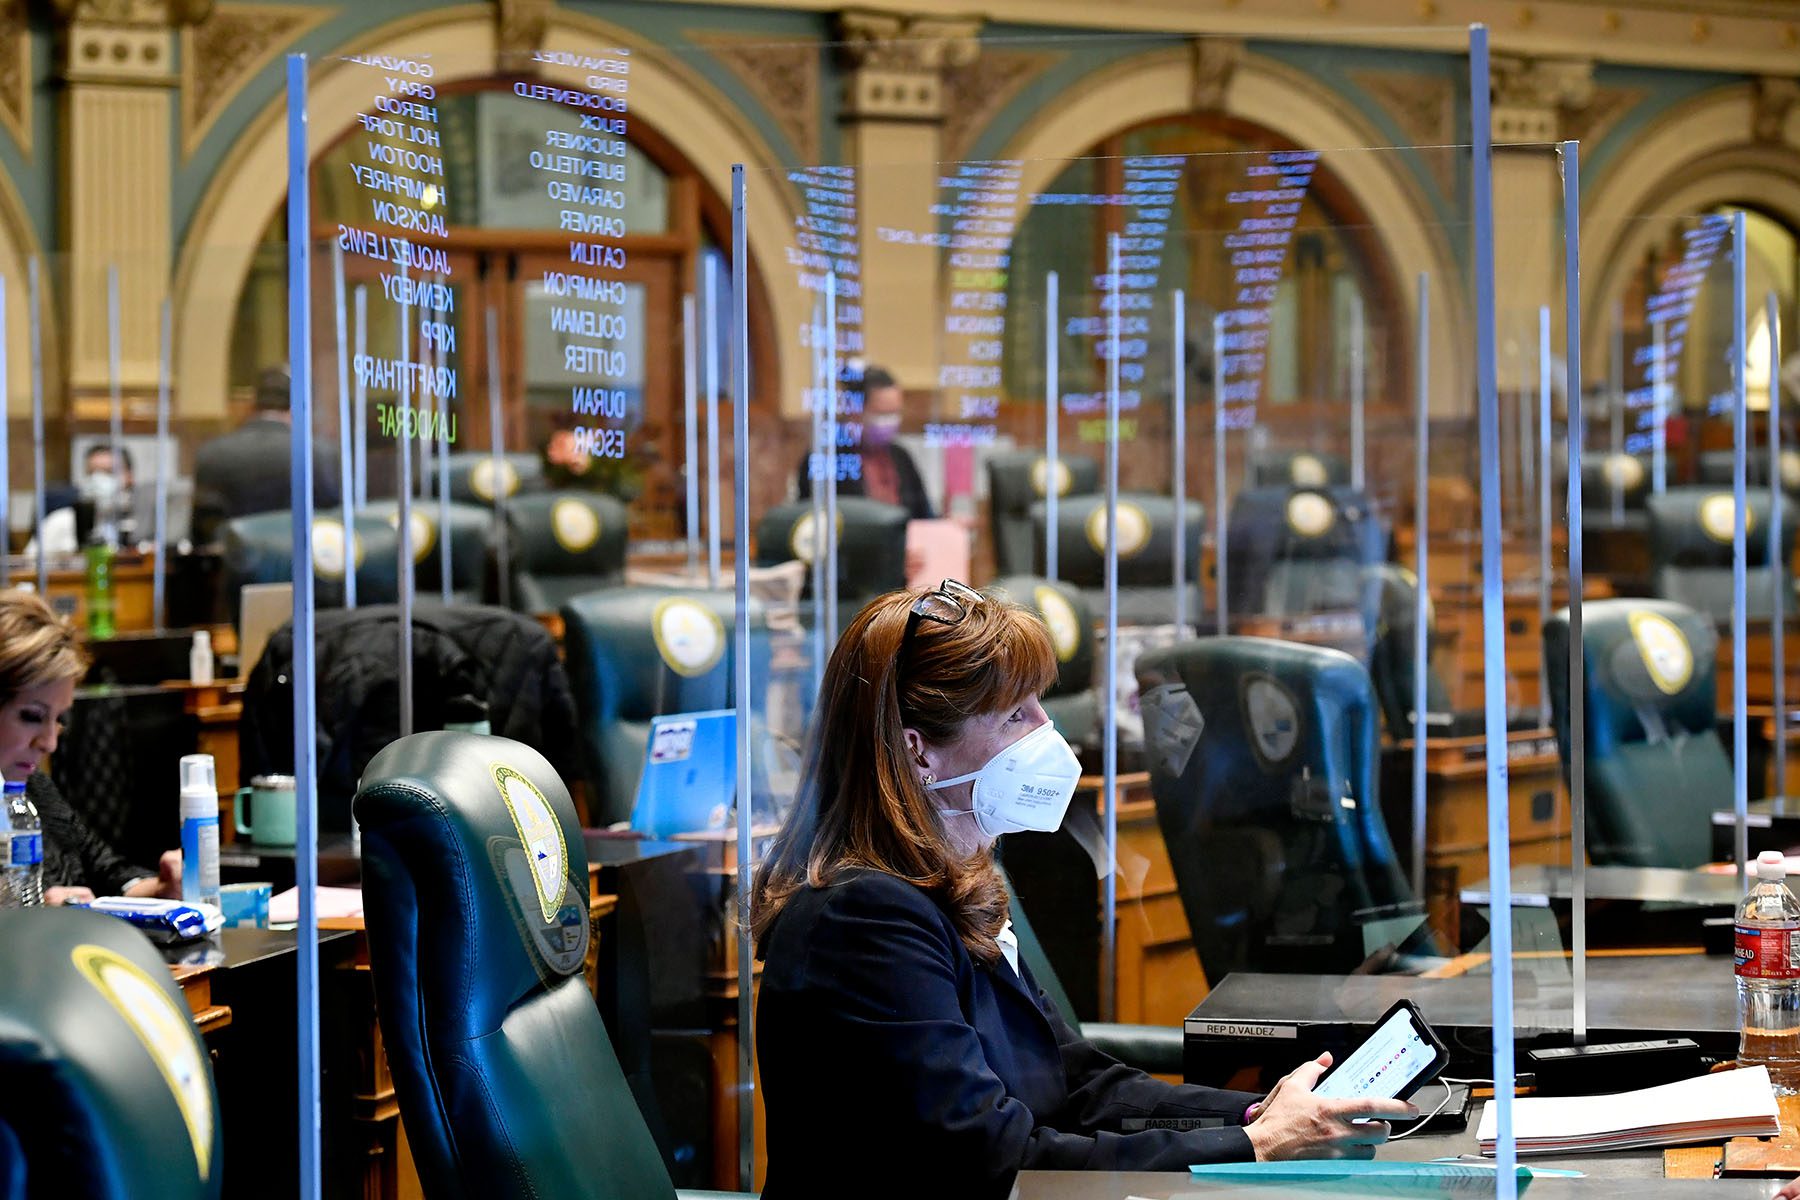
point(903, 1045)
point(40, 662)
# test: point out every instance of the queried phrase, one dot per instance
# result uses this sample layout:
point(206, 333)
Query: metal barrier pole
point(1421, 576)
point(1570, 157)
point(1493, 613)
point(306, 847)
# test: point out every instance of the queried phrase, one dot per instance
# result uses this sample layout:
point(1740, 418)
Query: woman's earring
point(928, 778)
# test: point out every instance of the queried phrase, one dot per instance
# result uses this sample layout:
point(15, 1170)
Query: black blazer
point(249, 470)
point(911, 484)
point(894, 1064)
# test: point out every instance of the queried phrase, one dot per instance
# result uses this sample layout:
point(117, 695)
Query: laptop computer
point(690, 774)
point(263, 608)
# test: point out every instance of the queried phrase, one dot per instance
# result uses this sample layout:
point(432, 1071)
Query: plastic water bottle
point(199, 829)
point(99, 588)
point(22, 880)
point(200, 657)
point(1768, 975)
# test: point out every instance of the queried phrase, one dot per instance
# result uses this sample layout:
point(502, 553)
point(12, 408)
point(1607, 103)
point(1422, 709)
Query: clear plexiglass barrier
point(1235, 579)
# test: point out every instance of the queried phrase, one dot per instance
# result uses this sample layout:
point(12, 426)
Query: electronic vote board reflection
point(580, 162)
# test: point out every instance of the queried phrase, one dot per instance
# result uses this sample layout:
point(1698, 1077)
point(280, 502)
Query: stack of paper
point(330, 903)
point(1712, 1108)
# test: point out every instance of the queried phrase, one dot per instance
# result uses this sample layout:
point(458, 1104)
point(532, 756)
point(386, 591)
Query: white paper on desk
point(1725, 1104)
point(328, 902)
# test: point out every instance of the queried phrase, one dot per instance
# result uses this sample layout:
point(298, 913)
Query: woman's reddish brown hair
point(860, 802)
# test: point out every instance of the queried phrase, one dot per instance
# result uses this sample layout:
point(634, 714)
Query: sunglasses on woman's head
point(947, 604)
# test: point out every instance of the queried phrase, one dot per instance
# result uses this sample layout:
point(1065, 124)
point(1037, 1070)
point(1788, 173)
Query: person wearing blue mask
point(871, 460)
point(904, 1046)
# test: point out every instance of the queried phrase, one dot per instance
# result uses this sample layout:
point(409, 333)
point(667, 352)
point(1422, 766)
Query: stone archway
point(1289, 104)
point(1702, 155)
point(216, 258)
point(19, 245)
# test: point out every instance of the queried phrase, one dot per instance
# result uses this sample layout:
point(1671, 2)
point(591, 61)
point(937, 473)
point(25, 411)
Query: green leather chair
point(109, 1090)
point(1291, 551)
point(1146, 554)
point(1263, 764)
point(563, 544)
point(1690, 550)
point(871, 547)
point(476, 887)
point(1599, 474)
point(1017, 479)
point(634, 653)
point(1716, 465)
point(1656, 769)
point(1073, 701)
point(471, 540)
point(1391, 656)
point(474, 479)
point(1152, 1048)
point(1297, 468)
point(260, 549)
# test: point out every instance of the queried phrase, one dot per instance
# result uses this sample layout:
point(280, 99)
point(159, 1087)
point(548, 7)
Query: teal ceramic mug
point(271, 810)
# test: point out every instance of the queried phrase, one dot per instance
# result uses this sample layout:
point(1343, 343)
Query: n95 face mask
point(1025, 787)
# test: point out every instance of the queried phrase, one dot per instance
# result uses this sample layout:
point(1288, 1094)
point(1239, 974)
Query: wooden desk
point(217, 708)
point(1627, 906)
point(195, 983)
point(241, 984)
point(1159, 972)
point(1759, 655)
point(132, 588)
point(1456, 837)
point(1334, 630)
point(719, 867)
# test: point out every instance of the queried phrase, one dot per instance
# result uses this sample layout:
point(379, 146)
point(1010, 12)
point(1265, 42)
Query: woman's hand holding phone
point(1291, 1122)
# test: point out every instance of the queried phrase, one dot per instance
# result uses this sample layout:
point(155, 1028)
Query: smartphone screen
point(1385, 1066)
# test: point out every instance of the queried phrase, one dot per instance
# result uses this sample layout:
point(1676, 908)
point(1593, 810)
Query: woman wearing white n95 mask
point(902, 1043)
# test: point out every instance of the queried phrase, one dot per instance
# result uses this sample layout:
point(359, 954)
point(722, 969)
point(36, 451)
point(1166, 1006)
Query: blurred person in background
point(887, 472)
point(100, 485)
point(248, 470)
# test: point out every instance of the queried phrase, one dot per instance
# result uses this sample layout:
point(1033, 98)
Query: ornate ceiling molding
point(896, 62)
point(15, 74)
point(1738, 36)
point(519, 28)
point(1214, 61)
point(1533, 95)
point(976, 93)
point(783, 76)
point(1591, 123)
point(1424, 109)
point(222, 53)
point(1773, 98)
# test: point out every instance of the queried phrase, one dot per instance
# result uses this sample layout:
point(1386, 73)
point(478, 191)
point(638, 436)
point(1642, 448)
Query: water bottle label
point(23, 849)
point(1768, 953)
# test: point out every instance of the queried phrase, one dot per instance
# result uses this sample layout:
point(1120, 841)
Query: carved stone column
point(115, 60)
point(893, 114)
point(1533, 103)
